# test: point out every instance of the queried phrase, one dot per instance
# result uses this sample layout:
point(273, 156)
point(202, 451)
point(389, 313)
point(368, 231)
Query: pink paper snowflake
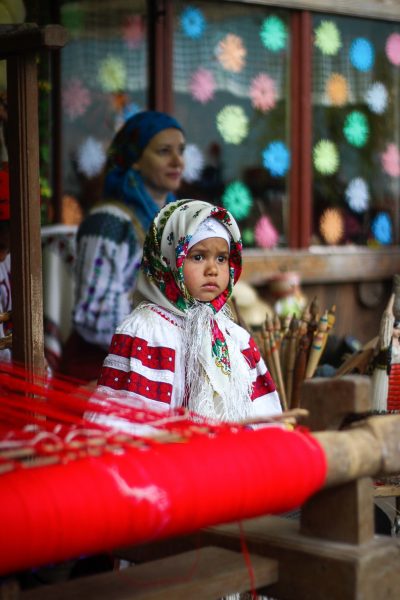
point(75, 98)
point(231, 53)
point(133, 31)
point(202, 85)
point(391, 160)
point(393, 49)
point(263, 92)
point(265, 234)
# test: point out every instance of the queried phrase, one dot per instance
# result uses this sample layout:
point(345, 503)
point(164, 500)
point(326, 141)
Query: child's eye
point(222, 259)
point(197, 257)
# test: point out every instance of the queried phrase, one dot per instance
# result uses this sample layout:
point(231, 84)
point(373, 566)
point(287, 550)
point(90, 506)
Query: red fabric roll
point(54, 513)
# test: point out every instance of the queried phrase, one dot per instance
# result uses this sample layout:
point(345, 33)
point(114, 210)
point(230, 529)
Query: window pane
point(231, 96)
point(356, 131)
point(104, 81)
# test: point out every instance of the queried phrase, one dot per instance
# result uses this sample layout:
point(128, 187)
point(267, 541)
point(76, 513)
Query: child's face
point(206, 269)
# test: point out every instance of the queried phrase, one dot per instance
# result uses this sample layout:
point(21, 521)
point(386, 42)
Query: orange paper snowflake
point(231, 53)
point(337, 89)
point(331, 226)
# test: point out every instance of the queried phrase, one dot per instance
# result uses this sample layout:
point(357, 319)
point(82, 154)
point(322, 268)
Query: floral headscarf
point(217, 375)
point(166, 248)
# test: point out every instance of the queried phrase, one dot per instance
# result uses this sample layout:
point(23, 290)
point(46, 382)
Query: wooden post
point(19, 45)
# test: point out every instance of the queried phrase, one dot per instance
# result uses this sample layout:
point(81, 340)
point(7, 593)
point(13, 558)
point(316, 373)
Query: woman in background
point(143, 172)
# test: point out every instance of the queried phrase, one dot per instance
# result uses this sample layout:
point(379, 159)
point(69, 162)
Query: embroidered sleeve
point(142, 360)
point(108, 258)
point(264, 396)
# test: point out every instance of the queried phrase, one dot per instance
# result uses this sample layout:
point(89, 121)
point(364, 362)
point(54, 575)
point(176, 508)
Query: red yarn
point(50, 514)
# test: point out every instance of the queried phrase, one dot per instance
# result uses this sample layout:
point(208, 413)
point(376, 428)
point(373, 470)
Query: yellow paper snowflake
point(233, 124)
point(112, 74)
point(231, 53)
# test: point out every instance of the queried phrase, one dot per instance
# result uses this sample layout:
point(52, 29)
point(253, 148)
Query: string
point(72, 487)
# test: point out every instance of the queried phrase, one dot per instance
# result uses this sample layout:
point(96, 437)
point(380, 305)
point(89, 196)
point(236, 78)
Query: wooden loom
point(332, 554)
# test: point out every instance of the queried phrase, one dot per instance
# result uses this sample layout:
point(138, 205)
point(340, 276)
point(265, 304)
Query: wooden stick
point(277, 364)
point(316, 346)
point(291, 358)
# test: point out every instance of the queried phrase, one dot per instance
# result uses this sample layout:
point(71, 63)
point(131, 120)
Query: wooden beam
point(19, 45)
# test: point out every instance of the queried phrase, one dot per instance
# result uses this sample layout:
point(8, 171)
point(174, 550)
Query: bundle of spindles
point(292, 348)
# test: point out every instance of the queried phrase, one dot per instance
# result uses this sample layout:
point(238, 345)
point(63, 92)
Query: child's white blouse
point(146, 360)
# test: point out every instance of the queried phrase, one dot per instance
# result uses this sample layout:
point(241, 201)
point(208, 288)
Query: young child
point(181, 347)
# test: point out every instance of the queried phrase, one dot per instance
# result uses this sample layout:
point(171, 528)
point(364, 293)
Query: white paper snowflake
point(91, 157)
point(194, 163)
point(357, 195)
point(376, 98)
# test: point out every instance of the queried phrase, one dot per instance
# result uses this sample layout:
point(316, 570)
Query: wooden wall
point(357, 280)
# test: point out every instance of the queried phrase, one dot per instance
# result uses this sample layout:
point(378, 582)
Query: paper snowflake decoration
point(202, 85)
point(231, 53)
point(381, 228)
point(193, 22)
point(362, 54)
point(356, 129)
point(337, 89)
point(91, 157)
point(327, 38)
point(265, 234)
point(357, 195)
point(76, 98)
point(331, 226)
point(273, 34)
point(248, 236)
point(112, 74)
point(72, 17)
point(376, 98)
point(237, 199)
point(194, 163)
point(263, 92)
point(276, 158)
point(233, 124)
point(133, 31)
point(391, 160)
point(392, 49)
point(326, 157)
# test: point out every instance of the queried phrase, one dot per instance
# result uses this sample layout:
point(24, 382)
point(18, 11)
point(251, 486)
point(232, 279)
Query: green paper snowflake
point(112, 74)
point(237, 199)
point(326, 157)
point(72, 18)
point(356, 129)
point(233, 124)
point(327, 38)
point(273, 34)
point(248, 236)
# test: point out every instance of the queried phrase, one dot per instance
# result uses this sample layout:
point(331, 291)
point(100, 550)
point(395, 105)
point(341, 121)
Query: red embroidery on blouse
point(263, 385)
point(252, 354)
point(154, 357)
point(134, 382)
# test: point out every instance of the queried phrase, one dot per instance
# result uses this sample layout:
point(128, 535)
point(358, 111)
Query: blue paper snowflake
point(129, 110)
point(382, 228)
point(193, 22)
point(276, 159)
point(362, 54)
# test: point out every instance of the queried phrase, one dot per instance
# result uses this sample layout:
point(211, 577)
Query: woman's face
point(161, 162)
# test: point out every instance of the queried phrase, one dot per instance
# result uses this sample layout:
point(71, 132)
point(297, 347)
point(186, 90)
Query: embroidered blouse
point(146, 360)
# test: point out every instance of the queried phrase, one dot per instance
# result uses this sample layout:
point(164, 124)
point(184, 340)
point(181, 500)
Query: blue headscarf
point(122, 182)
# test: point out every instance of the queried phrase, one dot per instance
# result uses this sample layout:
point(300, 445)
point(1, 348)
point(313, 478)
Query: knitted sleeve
point(108, 258)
